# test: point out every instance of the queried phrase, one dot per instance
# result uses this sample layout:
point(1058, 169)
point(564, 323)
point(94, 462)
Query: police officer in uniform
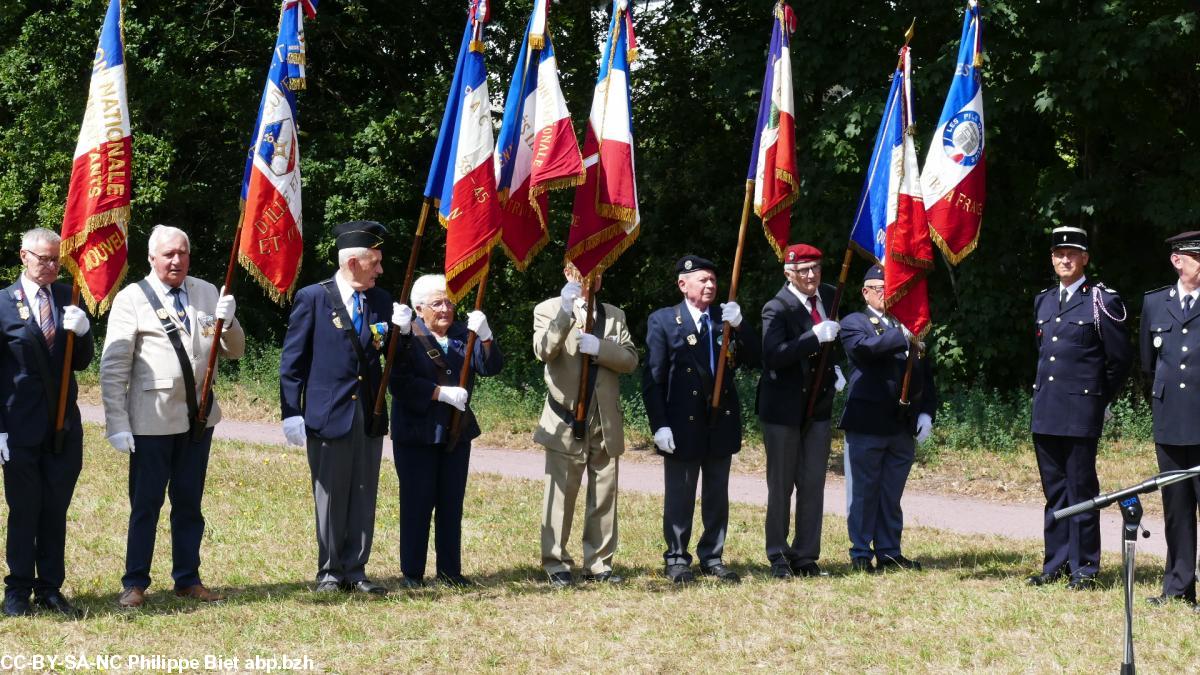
point(1169, 337)
point(1084, 356)
point(683, 345)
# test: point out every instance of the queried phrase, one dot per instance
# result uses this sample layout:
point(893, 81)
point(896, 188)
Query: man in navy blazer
point(1169, 338)
point(1084, 356)
point(39, 477)
point(881, 434)
point(683, 345)
point(329, 376)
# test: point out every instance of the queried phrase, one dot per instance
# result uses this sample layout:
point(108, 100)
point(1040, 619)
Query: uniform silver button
point(691, 418)
point(1183, 366)
point(1054, 339)
point(1183, 385)
point(695, 393)
point(1051, 378)
point(1058, 320)
point(1051, 358)
point(1085, 391)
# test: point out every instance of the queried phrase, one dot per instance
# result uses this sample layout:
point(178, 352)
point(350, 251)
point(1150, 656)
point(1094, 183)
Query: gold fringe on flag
point(86, 293)
point(466, 264)
point(94, 222)
point(952, 257)
point(537, 42)
point(268, 286)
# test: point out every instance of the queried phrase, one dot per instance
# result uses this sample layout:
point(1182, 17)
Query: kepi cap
point(1070, 237)
point(1185, 242)
point(359, 234)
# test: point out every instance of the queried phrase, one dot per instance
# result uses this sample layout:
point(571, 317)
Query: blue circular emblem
point(962, 140)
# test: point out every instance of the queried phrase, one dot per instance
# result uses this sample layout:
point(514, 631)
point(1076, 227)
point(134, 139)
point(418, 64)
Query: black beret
point(694, 263)
point(1185, 242)
point(873, 274)
point(1071, 237)
point(360, 234)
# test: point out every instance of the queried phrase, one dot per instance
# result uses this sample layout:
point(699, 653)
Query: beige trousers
point(564, 473)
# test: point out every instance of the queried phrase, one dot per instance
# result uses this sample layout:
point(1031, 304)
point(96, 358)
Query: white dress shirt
point(1071, 289)
point(806, 300)
point(35, 303)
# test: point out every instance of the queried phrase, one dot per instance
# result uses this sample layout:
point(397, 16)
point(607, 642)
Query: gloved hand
point(924, 427)
point(122, 441)
point(3, 448)
point(665, 440)
point(293, 430)
point(1108, 413)
point(826, 331)
point(589, 344)
point(226, 306)
point(840, 383)
point(477, 323)
point(570, 291)
point(75, 320)
point(731, 313)
point(402, 316)
point(455, 396)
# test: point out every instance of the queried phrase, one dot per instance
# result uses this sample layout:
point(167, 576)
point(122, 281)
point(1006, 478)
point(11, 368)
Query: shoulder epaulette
point(1161, 289)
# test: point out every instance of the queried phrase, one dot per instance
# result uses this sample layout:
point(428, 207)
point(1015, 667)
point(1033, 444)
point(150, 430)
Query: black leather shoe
point(1164, 600)
point(411, 583)
point(1046, 578)
point(862, 565)
point(368, 586)
point(604, 578)
point(720, 571)
point(1083, 582)
point(327, 587)
point(55, 602)
point(16, 606)
point(562, 580)
point(781, 571)
point(892, 562)
point(680, 574)
point(456, 580)
point(811, 569)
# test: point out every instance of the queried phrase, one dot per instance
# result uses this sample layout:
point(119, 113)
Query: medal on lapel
point(208, 324)
point(337, 321)
point(162, 313)
point(691, 339)
point(22, 310)
point(378, 331)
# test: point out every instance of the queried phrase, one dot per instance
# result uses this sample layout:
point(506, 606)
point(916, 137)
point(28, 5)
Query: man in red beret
point(796, 323)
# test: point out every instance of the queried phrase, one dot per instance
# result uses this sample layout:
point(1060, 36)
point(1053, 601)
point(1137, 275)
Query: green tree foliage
point(1091, 111)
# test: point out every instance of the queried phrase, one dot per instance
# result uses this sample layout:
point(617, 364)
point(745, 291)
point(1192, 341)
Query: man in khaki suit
point(150, 401)
point(559, 339)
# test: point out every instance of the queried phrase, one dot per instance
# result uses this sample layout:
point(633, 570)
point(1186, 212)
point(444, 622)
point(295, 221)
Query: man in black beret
point(683, 343)
point(329, 375)
point(1169, 336)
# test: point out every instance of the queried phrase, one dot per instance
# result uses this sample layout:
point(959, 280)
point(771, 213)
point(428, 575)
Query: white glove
point(3, 448)
point(924, 427)
point(122, 441)
point(731, 313)
point(75, 320)
point(826, 331)
point(477, 323)
point(589, 344)
point(455, 396)
point(570, 291)
point(402, 317)
point(665, 440)
point(840, 383)
point(294, 431)
point(226, 306)
point(908, 334)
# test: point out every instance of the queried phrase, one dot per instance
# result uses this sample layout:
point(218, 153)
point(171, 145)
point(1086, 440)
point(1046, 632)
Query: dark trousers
point(1067, 465)
point(877, 469)
point(796, 462)
point(679, 505)
point(1179, 510)
point(38, 486)
point(174, 466)
point(345, 485)
point(433, 484)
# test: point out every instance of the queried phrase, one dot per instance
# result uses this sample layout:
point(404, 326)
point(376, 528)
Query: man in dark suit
point(881, 432)
point(329, 375)
point(39, 476)
point(796, 324)
point(1084, 356)
point(683, 345)
point(1169, 336)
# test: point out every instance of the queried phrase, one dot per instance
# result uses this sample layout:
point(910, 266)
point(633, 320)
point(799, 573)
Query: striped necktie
point(46, 315)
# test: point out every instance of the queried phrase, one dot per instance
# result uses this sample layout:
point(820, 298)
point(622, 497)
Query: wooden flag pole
point(719, 379)
point(579, 427)
point(378, 425)
point(913, 348)
point(64, 382)
point(464, 377)
point(211, 371)
point(818, 377)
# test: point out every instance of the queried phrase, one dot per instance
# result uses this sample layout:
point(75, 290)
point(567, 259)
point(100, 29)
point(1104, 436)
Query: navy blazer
point(877, 352)
point(1170, 350)
point(417, 418)
point(1080, 368)
point(677, 382)
point(27, 405)
point(319, 373)
point(790, 354)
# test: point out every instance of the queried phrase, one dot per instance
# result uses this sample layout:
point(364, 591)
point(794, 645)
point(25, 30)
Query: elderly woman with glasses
point(431, 460)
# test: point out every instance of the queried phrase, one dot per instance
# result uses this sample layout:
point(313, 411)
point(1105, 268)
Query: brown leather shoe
point(199, 592)
point(132, 597)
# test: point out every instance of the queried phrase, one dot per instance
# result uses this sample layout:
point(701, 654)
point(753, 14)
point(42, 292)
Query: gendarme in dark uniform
point(682, 348)
point(1170, 355)
point(1084, 356)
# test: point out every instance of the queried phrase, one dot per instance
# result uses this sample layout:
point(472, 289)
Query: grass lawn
point(968, 611)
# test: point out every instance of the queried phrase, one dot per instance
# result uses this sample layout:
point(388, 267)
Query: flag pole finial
point(908, 34)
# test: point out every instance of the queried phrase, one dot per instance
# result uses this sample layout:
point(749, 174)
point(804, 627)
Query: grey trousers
point(345, 481)
point(795, 462)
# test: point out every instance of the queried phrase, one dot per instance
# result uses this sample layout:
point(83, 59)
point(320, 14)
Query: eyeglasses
point(43, 260)
point(440, 304)
point(810, 271)
point(875, 289)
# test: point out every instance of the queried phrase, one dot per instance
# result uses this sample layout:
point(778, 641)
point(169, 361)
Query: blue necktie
point(707, 335)
point(356, 312)
point(180, 309)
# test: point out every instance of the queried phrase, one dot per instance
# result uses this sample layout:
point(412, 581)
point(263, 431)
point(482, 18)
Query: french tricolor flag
point(271, 245)
point(605, 218)
point(537, 150)
point(95, 222)
point(462, 179)
point(773, 154)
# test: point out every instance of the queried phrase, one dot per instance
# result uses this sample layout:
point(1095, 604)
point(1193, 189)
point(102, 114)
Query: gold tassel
point(951, 257)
